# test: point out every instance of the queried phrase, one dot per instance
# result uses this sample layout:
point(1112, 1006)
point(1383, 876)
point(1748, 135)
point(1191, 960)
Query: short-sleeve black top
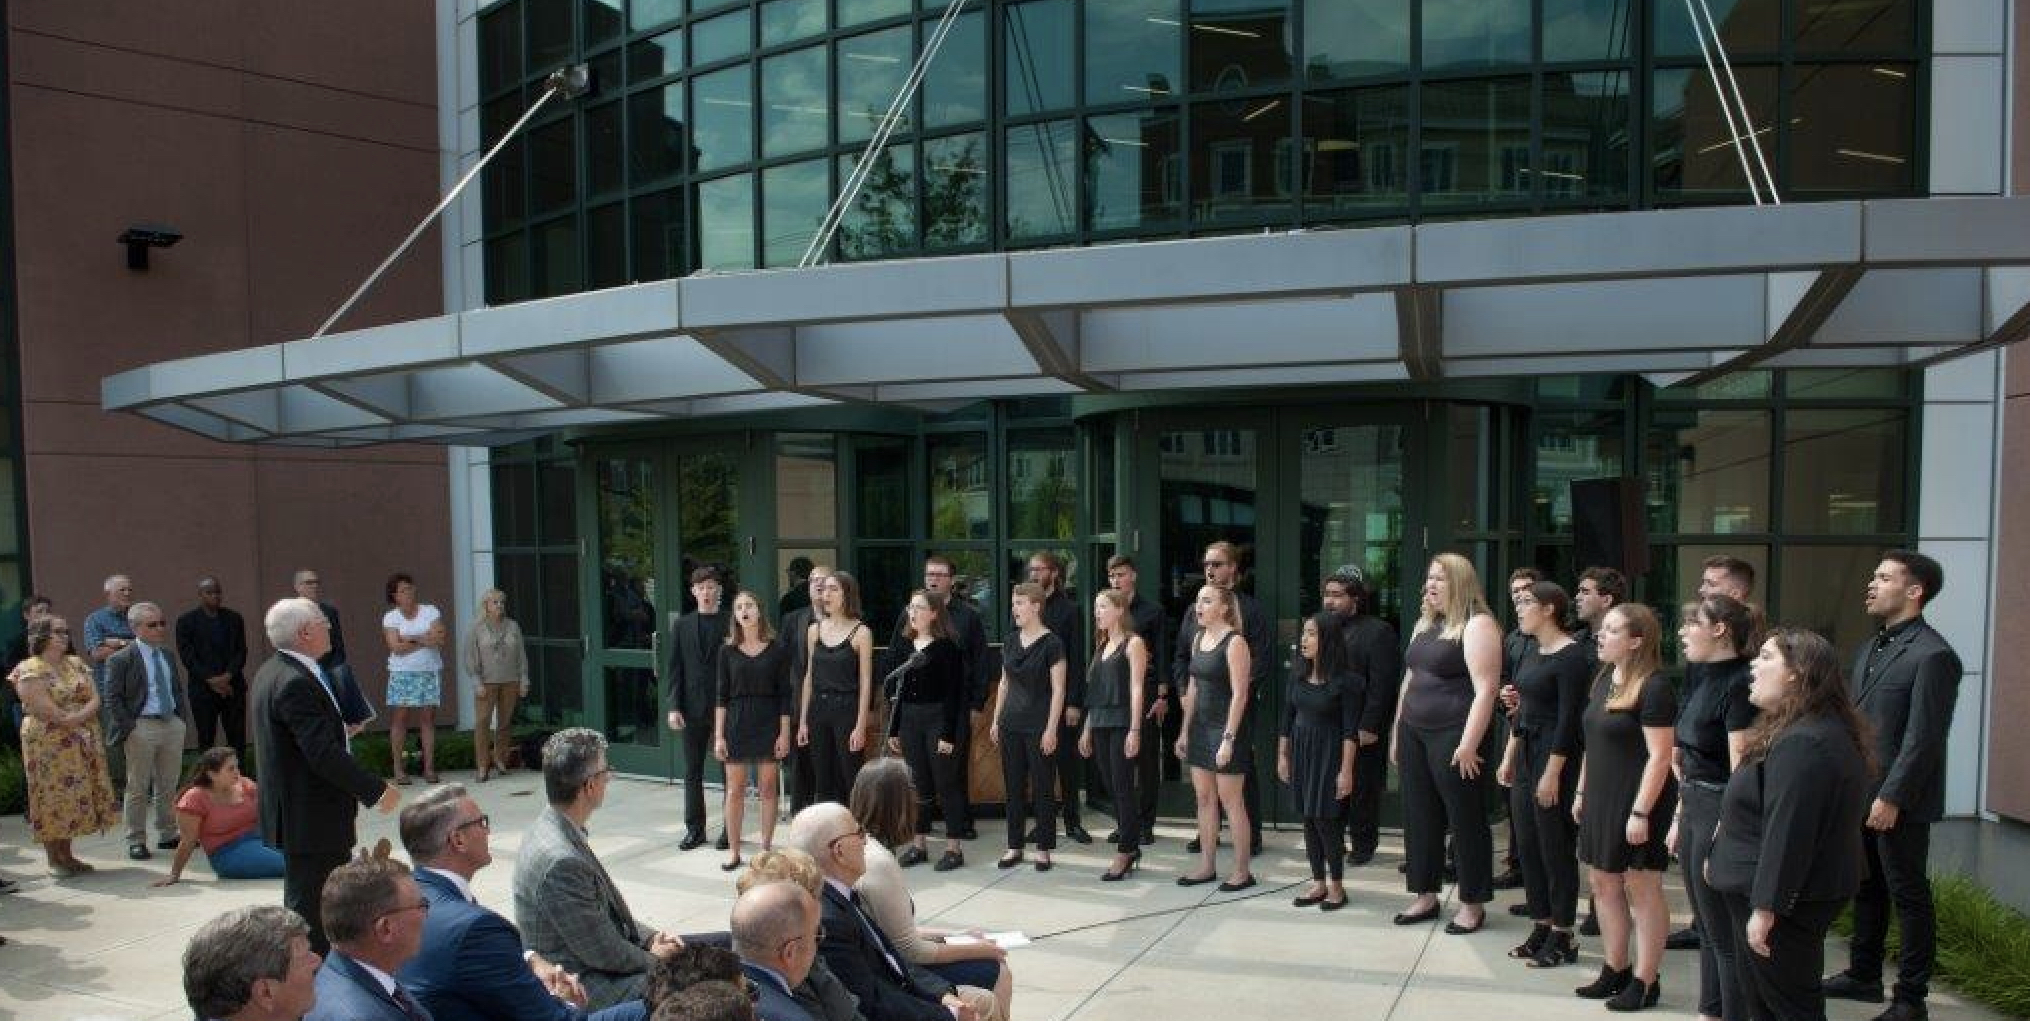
point(1025, 699)
point(1716, 704)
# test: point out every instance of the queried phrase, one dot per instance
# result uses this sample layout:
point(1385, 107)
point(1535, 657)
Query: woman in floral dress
point(70, 794)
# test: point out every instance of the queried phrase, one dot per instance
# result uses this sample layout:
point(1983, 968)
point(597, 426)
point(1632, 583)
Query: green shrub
point(1983, 945)
point(13, 783)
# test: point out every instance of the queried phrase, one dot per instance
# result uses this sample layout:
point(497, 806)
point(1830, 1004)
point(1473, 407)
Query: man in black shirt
point(1062, 615)
point(1146, 618)
point(694, 692)
point(1372, 651)
point(1222, 565)
point(212, 643)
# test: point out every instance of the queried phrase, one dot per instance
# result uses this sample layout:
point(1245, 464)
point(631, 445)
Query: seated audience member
point(568, 908)
point(885, 806)
point(220, 810)
point(373, 915)
point(707, 1001)
point(472, 965)
point(775, 932)
point(889, 988)
point(820, 994)
point(251, 964)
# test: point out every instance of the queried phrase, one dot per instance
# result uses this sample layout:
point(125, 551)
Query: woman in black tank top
point(838, 685)
point(1213, 739)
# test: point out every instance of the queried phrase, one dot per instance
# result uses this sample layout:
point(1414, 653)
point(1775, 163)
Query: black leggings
point(834, 763)
point(1110, 747)
point(1321, 845)
point(1434, 794)
point(1032, 783)
point(939, 778)
point(1546, 838)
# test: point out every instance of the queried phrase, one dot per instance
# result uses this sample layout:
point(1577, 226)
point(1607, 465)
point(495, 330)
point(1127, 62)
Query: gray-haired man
point(251, 964)
point(145, 698)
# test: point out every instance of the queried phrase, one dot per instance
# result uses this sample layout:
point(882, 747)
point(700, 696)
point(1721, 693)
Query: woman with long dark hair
point(929, 710)
point(220, 811)
point(1314, 755)
point(1787, 854)
point(838, 688)
point(1540, 768)
point(751, 719)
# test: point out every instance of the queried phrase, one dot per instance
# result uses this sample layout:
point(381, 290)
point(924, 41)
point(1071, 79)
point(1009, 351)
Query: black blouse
point(1553, 689)
point(1025, 699)
point(764, 675)
point(940, 680)
point(1716, 704)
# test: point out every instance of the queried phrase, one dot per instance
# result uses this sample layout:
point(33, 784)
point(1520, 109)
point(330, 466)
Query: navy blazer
point(470, 967)
point(857, 957)
point(345, 992)
point(774, 1002)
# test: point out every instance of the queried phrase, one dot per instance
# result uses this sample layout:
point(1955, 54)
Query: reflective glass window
point(1042, 486)
point(1241, 165)
point(553, 167)
point(603, 21)
point(1133, 170)
point(1839, 384)
point(1583, 153)
point(722, 118)
point(955, 86)
point(656, 57)
point(793, 200)
point(882, 219)
point(549, 30)
point(559, 617)
point(872, 68)
point(1356, 150)
point(855, 12)
point(650, 13)
point(1355, 38)
point(606, 245)
point(1746, 27)
point(1474, 147)
point(881, 467)
point(721, 38)
point(961, 494)
point(1037, 57)
point(1709, 471)
point(1819, 586)
point(507, 269)
point(955, 191)
point(1587, 30)
point(806, 486)
point(794, 103)
point(553, 257)
point(604, 163)
point(785, 21)
point(1475, 33)
point(1238, 44)
point(624, 490)
point(656, 146)
point(500, 47)
point(726, 223)
point(1854, 26)
point(1042, 179)
point(505, 200)
point(1694, 154)
point(1853, 127)
point(1571, 446)
point(1133, 50)
point(1843, 470)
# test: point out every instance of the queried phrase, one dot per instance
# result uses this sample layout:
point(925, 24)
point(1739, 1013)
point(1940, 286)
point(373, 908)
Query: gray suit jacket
point(570, 911)
point(127, 689)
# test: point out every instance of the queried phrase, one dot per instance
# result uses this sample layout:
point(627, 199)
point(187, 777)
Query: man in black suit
point(311, 788)
point(970, 633)
point(695, 642)
point(1372, 652)
point(802, 774)
point(1222, 570)
point(212, 643)
point(1905, 682)
point(853, 946)
point(1146, 619)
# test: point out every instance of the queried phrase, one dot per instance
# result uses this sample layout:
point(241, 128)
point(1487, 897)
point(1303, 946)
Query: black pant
point(1321, 846)
point(1785, 986)
point(211, 711)
point(1070, 773)
point(1896, 876)
point(1364, 813)
point(1435, 796)
point(834, 763)
point(303, 878)
point(1149, 772)
point(1719, 984)
point(1547, 838)
point(697, 748)
point(1032, 782)
point(1110, 747)
point(940, 778)
point(802, 776)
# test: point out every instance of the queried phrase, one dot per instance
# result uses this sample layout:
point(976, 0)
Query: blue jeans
point(978, 974)
point(247, 858)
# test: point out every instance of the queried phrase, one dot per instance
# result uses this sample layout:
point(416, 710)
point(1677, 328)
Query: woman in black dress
point(1624, 782)
point(1113, 720)
point(1541, 771)
point(1321, 732)
point(1454, 664)
point(1213, 738)
point(1025, 726)
point(1713, 719)
point(838, 688)
point(1787, 854)
point(929, 709)
point(752, 719)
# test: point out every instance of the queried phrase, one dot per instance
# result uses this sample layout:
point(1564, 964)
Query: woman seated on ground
point(221, 810)
point(884, 804)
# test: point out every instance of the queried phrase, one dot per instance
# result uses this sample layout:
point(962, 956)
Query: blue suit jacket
point(470, 967)
point(345, 992)
point(775, 1002)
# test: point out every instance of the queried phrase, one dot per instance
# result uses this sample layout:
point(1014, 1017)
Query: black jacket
point(1373, 652)
point(1061, 615)
point(970, 634)
point(205, 657)
point(1909, 701)
point(1790, 824)
point(694, 664)
point(859, 953)
point(311, 789)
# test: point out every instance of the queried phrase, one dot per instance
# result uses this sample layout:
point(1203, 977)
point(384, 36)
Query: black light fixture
point(142, 236)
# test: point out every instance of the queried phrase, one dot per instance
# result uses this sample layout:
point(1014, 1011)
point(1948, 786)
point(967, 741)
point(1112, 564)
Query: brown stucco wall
point(2009, 704)
point(293, 144)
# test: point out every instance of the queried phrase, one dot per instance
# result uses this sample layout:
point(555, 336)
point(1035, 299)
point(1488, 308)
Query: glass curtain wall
point(535, 558)
point(718, 134)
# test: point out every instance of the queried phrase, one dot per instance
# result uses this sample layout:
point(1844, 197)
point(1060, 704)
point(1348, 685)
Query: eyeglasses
point(484, 822)
point(815, 938)
point(421, 905)
point(608, 771)
point(857, 834)
point(152, 623)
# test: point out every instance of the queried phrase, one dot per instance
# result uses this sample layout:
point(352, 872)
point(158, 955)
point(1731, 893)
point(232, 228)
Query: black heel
point(1527, 949)
point(1608, 984)
point(1560, 948)
point(1116, 875)
point(1010, 860)
point(1638, 995)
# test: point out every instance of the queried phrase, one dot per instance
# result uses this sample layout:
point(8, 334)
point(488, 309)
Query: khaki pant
point(493, 720)
point(154, 763)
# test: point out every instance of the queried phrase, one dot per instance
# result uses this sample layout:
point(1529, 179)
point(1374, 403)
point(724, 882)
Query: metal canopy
point(1673, 294)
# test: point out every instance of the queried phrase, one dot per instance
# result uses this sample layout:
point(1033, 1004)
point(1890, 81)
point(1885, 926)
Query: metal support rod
point(557, 84)
point(1734, 86)
point(1720, 97)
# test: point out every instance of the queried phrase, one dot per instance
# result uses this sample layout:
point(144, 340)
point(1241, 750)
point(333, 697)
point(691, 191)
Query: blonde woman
point(752, 719)
point(1213, 738)
point(1454, 666)
point(1113, 721)
point(498, 663)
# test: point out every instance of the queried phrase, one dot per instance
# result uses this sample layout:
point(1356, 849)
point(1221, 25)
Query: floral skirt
point(411, 688)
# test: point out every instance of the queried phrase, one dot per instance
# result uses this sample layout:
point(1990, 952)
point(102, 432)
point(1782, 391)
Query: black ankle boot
point(1560, 948)
point(1528, 948)
point(1637, 995)
point(1609, 983)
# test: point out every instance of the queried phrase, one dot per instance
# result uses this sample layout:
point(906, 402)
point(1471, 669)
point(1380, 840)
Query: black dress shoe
point(1608, 984)
point(1846, 987)
point(1194, 846)
point(1077, 832)
point(948, 861)
point(1307, 900)
point(1637, 995)
point(1009, 860)
point(692, 839)
point(1904, 1010)
point(1245, 884)
point(1332, 905)
point(1358, 859)
point(1520, 910)
point(166, 844)
point(1455, 929)
point(1195, 880)
point(1591, 926)
point(721, 843)
point(1686, 938)
point(1509, 879)
point(139, 851)
point(1409, 918)
point(1113, 836)
point(910, 856)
